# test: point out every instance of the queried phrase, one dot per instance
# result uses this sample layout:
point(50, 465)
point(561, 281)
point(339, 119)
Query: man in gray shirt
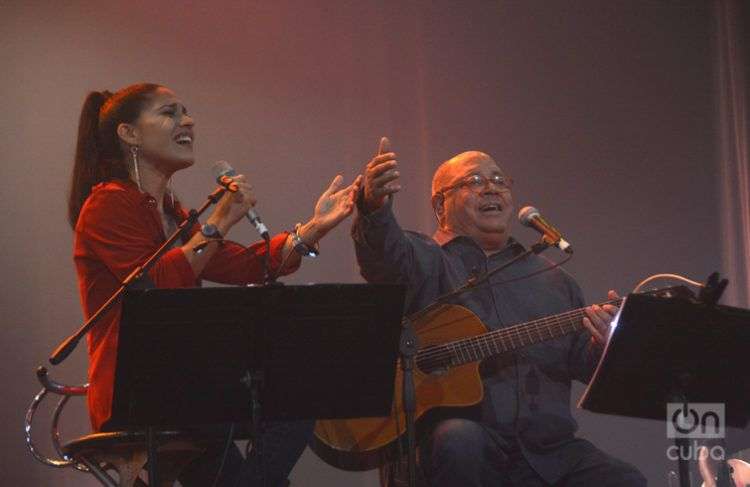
point(522, 433)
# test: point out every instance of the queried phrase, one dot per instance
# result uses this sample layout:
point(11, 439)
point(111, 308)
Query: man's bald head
point(452, 169)
point(481, 212)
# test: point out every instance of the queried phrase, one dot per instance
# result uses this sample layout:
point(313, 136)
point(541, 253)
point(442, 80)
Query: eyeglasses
point(477, 183)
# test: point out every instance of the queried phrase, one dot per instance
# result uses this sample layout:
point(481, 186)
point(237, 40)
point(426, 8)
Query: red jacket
point(119, 228)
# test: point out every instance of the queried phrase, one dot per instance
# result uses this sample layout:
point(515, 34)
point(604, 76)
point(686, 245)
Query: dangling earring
point(134, 153)
point(171, 193)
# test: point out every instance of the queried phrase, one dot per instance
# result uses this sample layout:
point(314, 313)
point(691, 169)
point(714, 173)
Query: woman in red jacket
point(130, 143)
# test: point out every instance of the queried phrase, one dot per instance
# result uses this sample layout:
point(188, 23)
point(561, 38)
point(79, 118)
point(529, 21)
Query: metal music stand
point(189, 357)
point(673, 350)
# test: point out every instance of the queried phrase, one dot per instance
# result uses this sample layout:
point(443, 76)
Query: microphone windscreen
point(222, 168)
point(526, 213)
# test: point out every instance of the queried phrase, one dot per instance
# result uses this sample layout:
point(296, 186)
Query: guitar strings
point(466, 348)
point(537, 326)
point(463, 346)
point(515, 330)
point(492, 284)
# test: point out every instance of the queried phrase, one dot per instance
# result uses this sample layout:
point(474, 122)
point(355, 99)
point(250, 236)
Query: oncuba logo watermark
point(695, 421)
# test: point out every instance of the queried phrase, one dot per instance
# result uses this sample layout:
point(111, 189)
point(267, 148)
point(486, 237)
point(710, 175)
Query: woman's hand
point(335, 204)
point(233, 206)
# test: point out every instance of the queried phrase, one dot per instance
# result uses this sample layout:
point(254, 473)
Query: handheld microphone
point(224, 172)
point(530, 217)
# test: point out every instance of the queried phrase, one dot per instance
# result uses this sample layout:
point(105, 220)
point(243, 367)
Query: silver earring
point(171, 193)
point(134, 154)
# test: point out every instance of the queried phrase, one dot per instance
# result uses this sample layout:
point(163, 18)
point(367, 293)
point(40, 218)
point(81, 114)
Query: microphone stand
point(410, 345)
point(268, 279)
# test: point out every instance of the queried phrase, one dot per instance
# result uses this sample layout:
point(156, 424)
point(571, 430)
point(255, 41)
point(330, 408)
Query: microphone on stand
point(224, 172)
point(530, 217)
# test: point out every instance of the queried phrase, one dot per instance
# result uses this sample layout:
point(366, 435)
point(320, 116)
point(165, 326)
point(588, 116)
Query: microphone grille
point(526, 213)
point(222, 168)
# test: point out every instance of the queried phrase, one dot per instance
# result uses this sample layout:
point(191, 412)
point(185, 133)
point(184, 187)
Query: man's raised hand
point(380, 177)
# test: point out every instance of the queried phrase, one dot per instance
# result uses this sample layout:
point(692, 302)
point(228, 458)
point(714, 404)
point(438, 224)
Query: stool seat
point(124, 440)
point(125, 452)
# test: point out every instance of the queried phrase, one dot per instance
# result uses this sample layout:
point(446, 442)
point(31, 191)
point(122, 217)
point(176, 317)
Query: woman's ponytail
point(85, 171)
point(99, 155)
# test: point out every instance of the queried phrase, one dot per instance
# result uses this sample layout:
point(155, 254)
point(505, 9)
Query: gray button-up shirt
point(527, 393)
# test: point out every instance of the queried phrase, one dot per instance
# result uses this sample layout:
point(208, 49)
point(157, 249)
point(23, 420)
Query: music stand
point(190, 357)
point(673, 350)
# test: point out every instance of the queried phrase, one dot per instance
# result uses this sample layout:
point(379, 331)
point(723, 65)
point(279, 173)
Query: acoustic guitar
point(453, 340)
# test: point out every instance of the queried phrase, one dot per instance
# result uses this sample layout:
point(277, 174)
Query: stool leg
point(127, 466)
point(98, 472)
point(173, 459)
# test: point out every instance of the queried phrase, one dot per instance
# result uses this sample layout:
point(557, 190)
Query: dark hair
point(99, 155)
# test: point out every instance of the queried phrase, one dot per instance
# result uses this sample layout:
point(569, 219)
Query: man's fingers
point(386, 190)
point(356, 187)
point(380, 159)
point(385, 177)
point(377, 171)
point(598, 317)
point(602, 315)
point(384, 146)
point(593, 330)
point(379, 177)
point(610, 310)
point(379, 166)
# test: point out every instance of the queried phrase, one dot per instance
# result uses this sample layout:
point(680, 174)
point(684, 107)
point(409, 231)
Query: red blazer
point(119, 228)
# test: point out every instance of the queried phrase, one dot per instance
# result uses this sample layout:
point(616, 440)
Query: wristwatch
point(300, 246)
point(210, 231)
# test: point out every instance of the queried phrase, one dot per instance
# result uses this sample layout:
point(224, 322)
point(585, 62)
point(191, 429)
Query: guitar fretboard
point(476, 348)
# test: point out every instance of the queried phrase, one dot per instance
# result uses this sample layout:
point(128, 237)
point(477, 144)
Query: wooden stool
point(125, 452)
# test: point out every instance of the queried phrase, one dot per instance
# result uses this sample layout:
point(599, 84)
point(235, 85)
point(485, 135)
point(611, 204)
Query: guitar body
point(361, 443)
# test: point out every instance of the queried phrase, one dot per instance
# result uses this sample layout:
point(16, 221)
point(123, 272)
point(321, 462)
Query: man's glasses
point(477, 183)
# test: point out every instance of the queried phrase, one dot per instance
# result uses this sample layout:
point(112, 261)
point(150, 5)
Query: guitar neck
point(515, 337)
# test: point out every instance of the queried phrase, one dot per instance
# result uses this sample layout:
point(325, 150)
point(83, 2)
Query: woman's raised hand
point(335, 204)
